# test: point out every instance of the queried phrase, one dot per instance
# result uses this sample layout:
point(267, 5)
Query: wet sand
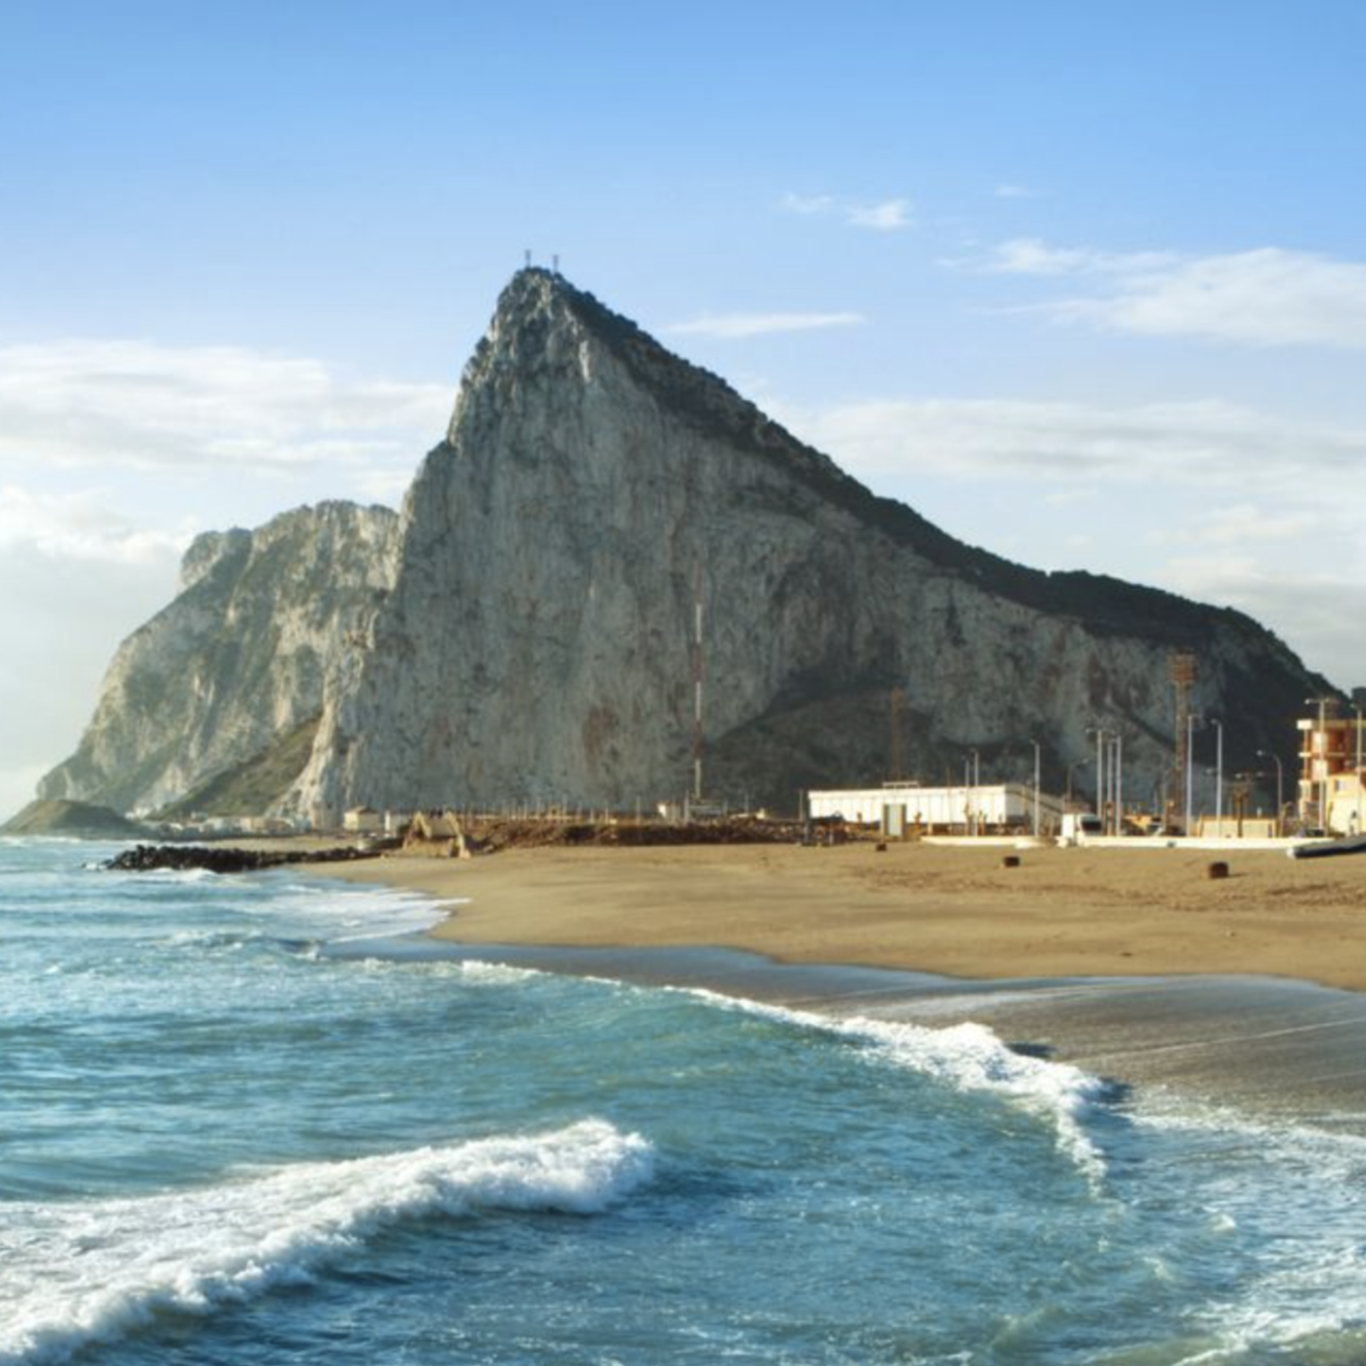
point(954, 911)
point(1130, 963)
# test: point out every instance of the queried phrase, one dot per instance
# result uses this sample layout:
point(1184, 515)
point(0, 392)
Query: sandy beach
point(947, 910)
point(1131, 963)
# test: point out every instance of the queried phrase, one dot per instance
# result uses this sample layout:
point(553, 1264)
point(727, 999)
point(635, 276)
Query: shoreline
point(948, 911)
point(1244, 992)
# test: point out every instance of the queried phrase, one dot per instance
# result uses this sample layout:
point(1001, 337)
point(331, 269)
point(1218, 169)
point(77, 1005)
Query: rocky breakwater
point(150, 858)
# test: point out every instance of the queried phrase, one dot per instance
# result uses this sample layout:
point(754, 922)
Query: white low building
point(363, 820)
point(895, 806)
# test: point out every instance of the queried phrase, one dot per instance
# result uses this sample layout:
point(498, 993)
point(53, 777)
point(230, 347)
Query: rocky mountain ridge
point(524, 631)
point(237, 661)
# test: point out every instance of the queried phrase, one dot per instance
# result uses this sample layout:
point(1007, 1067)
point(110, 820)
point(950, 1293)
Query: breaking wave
point(76, 1274)
point(968, 1057)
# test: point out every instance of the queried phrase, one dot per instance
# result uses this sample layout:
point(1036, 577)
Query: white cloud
point(1306, 609)
point(1264, 297)
point(1029, 256)
point(1243, 524)
point(732, 325)
point(1008, 190)
point(887, 215)
point(137, 405)
point(1198, 443)
point(1267, 297)
point(1221, 502)
point(83, 526)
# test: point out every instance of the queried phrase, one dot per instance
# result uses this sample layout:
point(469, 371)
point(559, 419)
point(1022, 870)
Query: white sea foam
point(968, 1057)
point(75, 1274)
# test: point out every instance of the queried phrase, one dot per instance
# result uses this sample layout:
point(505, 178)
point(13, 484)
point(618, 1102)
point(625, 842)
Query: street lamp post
point(1118, 766)
point(1038, 760)
point(1190, 771)
point(1218, 775)
point(1280, 784)
point(1100, 772)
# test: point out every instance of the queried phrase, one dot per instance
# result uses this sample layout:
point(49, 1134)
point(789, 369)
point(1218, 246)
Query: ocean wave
point(73, 1275)
point(969, 1057)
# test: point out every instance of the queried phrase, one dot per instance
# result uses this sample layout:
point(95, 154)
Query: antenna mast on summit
point(697, 688)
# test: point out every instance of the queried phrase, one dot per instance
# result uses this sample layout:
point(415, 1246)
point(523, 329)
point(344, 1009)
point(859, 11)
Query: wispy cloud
point(1220, 501)
point(137, 405)
point(1268, 296)
point(1008, 190)
point(887, 215)
point(809, 205)
point(733, 325)
point(85, 526)
point(1029, 256)
point(1206, 443)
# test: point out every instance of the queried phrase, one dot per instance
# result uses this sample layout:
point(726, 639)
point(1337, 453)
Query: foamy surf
point(970, 1058)
point(77, 1274)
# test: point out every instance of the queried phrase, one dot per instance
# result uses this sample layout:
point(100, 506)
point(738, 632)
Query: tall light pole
point(1190, 770)
point(976, 780)
point(1218, 775)
point(1100, 771)
point(1280, 784)
point(1038, 760)
point(1118, 767)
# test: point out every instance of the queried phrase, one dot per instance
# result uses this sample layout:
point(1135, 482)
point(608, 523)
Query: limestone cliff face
point(536, 642)
point(238, 659)
point(524, 631)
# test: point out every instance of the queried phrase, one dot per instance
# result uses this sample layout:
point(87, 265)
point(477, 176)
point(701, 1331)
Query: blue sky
point(1084, 283)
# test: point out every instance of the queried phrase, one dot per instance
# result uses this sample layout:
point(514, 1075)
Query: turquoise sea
point(235, 1128)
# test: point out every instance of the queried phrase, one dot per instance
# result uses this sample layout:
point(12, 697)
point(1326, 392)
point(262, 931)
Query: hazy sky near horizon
point(1084, 284)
